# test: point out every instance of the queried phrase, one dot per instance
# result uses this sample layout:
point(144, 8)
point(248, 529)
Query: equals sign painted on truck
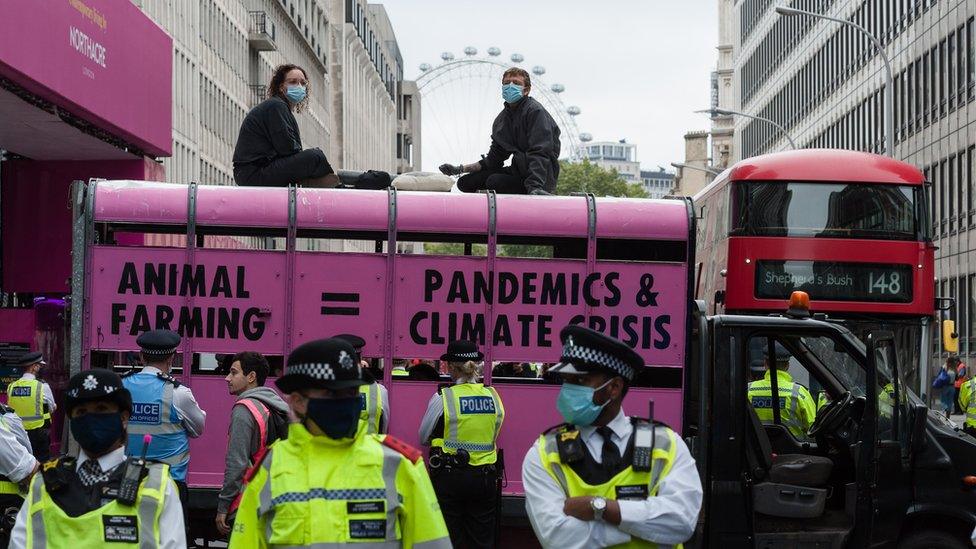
point(329, 299)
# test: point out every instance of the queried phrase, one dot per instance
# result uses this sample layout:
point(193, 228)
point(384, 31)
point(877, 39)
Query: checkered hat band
point(466, 355)
point(320, 493)
point(594, 356)
point(159, 351)
point(315, 370)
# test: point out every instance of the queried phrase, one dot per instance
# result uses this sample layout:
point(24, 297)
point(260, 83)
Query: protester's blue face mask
point(337, 417)
point(511, 93)
point(96, 433)
point(576, 405)
point(295, 93)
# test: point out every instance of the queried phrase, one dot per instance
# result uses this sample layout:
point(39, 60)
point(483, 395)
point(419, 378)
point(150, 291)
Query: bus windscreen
point(826, 210)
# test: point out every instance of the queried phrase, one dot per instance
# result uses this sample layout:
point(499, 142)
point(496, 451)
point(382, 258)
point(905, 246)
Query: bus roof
point(151, 203)
point(826, 165)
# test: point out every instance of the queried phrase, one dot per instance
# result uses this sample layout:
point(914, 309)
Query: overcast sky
point(636, 68)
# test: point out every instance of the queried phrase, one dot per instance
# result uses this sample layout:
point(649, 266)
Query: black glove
point(448, 169)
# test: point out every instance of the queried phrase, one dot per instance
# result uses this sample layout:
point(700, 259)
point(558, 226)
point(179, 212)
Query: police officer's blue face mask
point(295, 93)
point(511, 93)
point(337, 417)
point(96, 433)
point(576, 405)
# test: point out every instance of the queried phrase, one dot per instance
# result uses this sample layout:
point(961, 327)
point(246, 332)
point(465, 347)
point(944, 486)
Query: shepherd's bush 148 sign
point(834, 281)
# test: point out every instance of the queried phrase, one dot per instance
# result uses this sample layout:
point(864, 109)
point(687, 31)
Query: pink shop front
point(85, 92)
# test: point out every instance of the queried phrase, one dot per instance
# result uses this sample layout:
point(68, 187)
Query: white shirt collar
point(28, 376)
point(151, 370)
point(107, 462)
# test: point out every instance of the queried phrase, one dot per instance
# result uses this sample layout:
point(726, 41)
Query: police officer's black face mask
point(337, 417)
point(96, 433)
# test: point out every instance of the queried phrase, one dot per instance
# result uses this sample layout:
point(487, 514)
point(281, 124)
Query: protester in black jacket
point(524, 131)
point(269, 146)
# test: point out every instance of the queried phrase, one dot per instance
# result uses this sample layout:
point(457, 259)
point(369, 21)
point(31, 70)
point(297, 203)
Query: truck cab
point(874, 468)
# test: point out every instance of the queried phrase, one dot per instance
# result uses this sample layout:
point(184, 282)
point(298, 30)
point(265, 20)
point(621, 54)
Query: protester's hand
point(578, 507)
point(448, 169)
point(222, 525)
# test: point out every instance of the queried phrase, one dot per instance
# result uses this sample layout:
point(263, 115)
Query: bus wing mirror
point(950, 338)
point(920, 417)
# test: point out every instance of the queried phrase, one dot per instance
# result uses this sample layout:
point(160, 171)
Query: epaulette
point(556, 427)
point(408, 451)
point(169, 379)
point(634, 420)
point(4, 409)
point(441, 387)
point(57, 473)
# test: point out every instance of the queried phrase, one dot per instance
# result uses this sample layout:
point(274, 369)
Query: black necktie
point(610, 456)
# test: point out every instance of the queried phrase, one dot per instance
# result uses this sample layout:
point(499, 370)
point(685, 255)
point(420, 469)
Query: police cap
point(462, 351)
point(586, 351)
point(96, 384)
point(323, 363)
point(782, 355)
point(29, 359)
point(158, 343)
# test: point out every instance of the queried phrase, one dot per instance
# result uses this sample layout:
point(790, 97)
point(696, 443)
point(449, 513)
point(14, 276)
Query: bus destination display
point(834, 281)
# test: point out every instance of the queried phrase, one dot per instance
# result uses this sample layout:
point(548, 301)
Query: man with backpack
point(259, 417)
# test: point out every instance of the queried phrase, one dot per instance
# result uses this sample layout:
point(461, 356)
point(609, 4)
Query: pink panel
point(242, 206)
point(644, 219)
point(442, 212)
point(17, 326)
point(340, 293)
point(240, 299)
point(529, 410)
point(141, 202)
point(36, 217)
point(207, 453)
point(542, 216)
point(442, 298)
point(103, 60)
point(342, 209)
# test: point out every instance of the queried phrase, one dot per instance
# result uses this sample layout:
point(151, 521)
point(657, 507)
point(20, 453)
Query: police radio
point(132, 476)
point(644, 441)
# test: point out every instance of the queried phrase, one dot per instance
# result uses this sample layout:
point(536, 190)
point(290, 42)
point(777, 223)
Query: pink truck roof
point(225, 300)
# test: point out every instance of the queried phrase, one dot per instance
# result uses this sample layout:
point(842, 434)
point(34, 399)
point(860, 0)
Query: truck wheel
point(931, 539)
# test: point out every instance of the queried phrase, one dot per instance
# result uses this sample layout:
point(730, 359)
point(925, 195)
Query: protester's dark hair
point(516, 71)
point(253, 362)
point(278, 78)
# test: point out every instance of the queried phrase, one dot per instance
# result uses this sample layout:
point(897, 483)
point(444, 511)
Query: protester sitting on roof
point(523, 130)
point(269, 146)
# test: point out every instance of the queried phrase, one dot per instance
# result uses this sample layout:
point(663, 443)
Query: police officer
point(17, 464)
point(33, 401)
point(603, 478)
point(461, 426)
point(376, 399)
point(85, 502)
point(330, 483)
point(967, 402)
point(162, 407)
point(797, 407)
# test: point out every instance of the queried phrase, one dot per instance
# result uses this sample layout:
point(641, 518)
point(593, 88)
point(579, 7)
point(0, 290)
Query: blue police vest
point(153, 413)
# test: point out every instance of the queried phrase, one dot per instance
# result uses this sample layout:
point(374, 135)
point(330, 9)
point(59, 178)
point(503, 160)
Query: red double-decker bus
point(849, 228)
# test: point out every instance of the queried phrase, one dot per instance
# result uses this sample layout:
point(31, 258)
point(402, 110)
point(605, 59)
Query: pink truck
point(156, 255)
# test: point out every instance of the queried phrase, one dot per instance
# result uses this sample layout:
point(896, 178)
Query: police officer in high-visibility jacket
point(33, 401)
point(376, 399)
point(461, 426)
point(100, 498)
point(602, 478)
point(162, 407)
point(967, 402)
point(797, 409)
point(17, 464)
point(330, 483)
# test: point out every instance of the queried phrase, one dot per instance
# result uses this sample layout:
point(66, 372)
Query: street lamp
point(690, 167)
point(726, 112)
point(889, 77)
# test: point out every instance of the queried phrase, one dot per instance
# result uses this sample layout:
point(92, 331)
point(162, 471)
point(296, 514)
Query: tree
point(573, 178)
point(588, 177)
